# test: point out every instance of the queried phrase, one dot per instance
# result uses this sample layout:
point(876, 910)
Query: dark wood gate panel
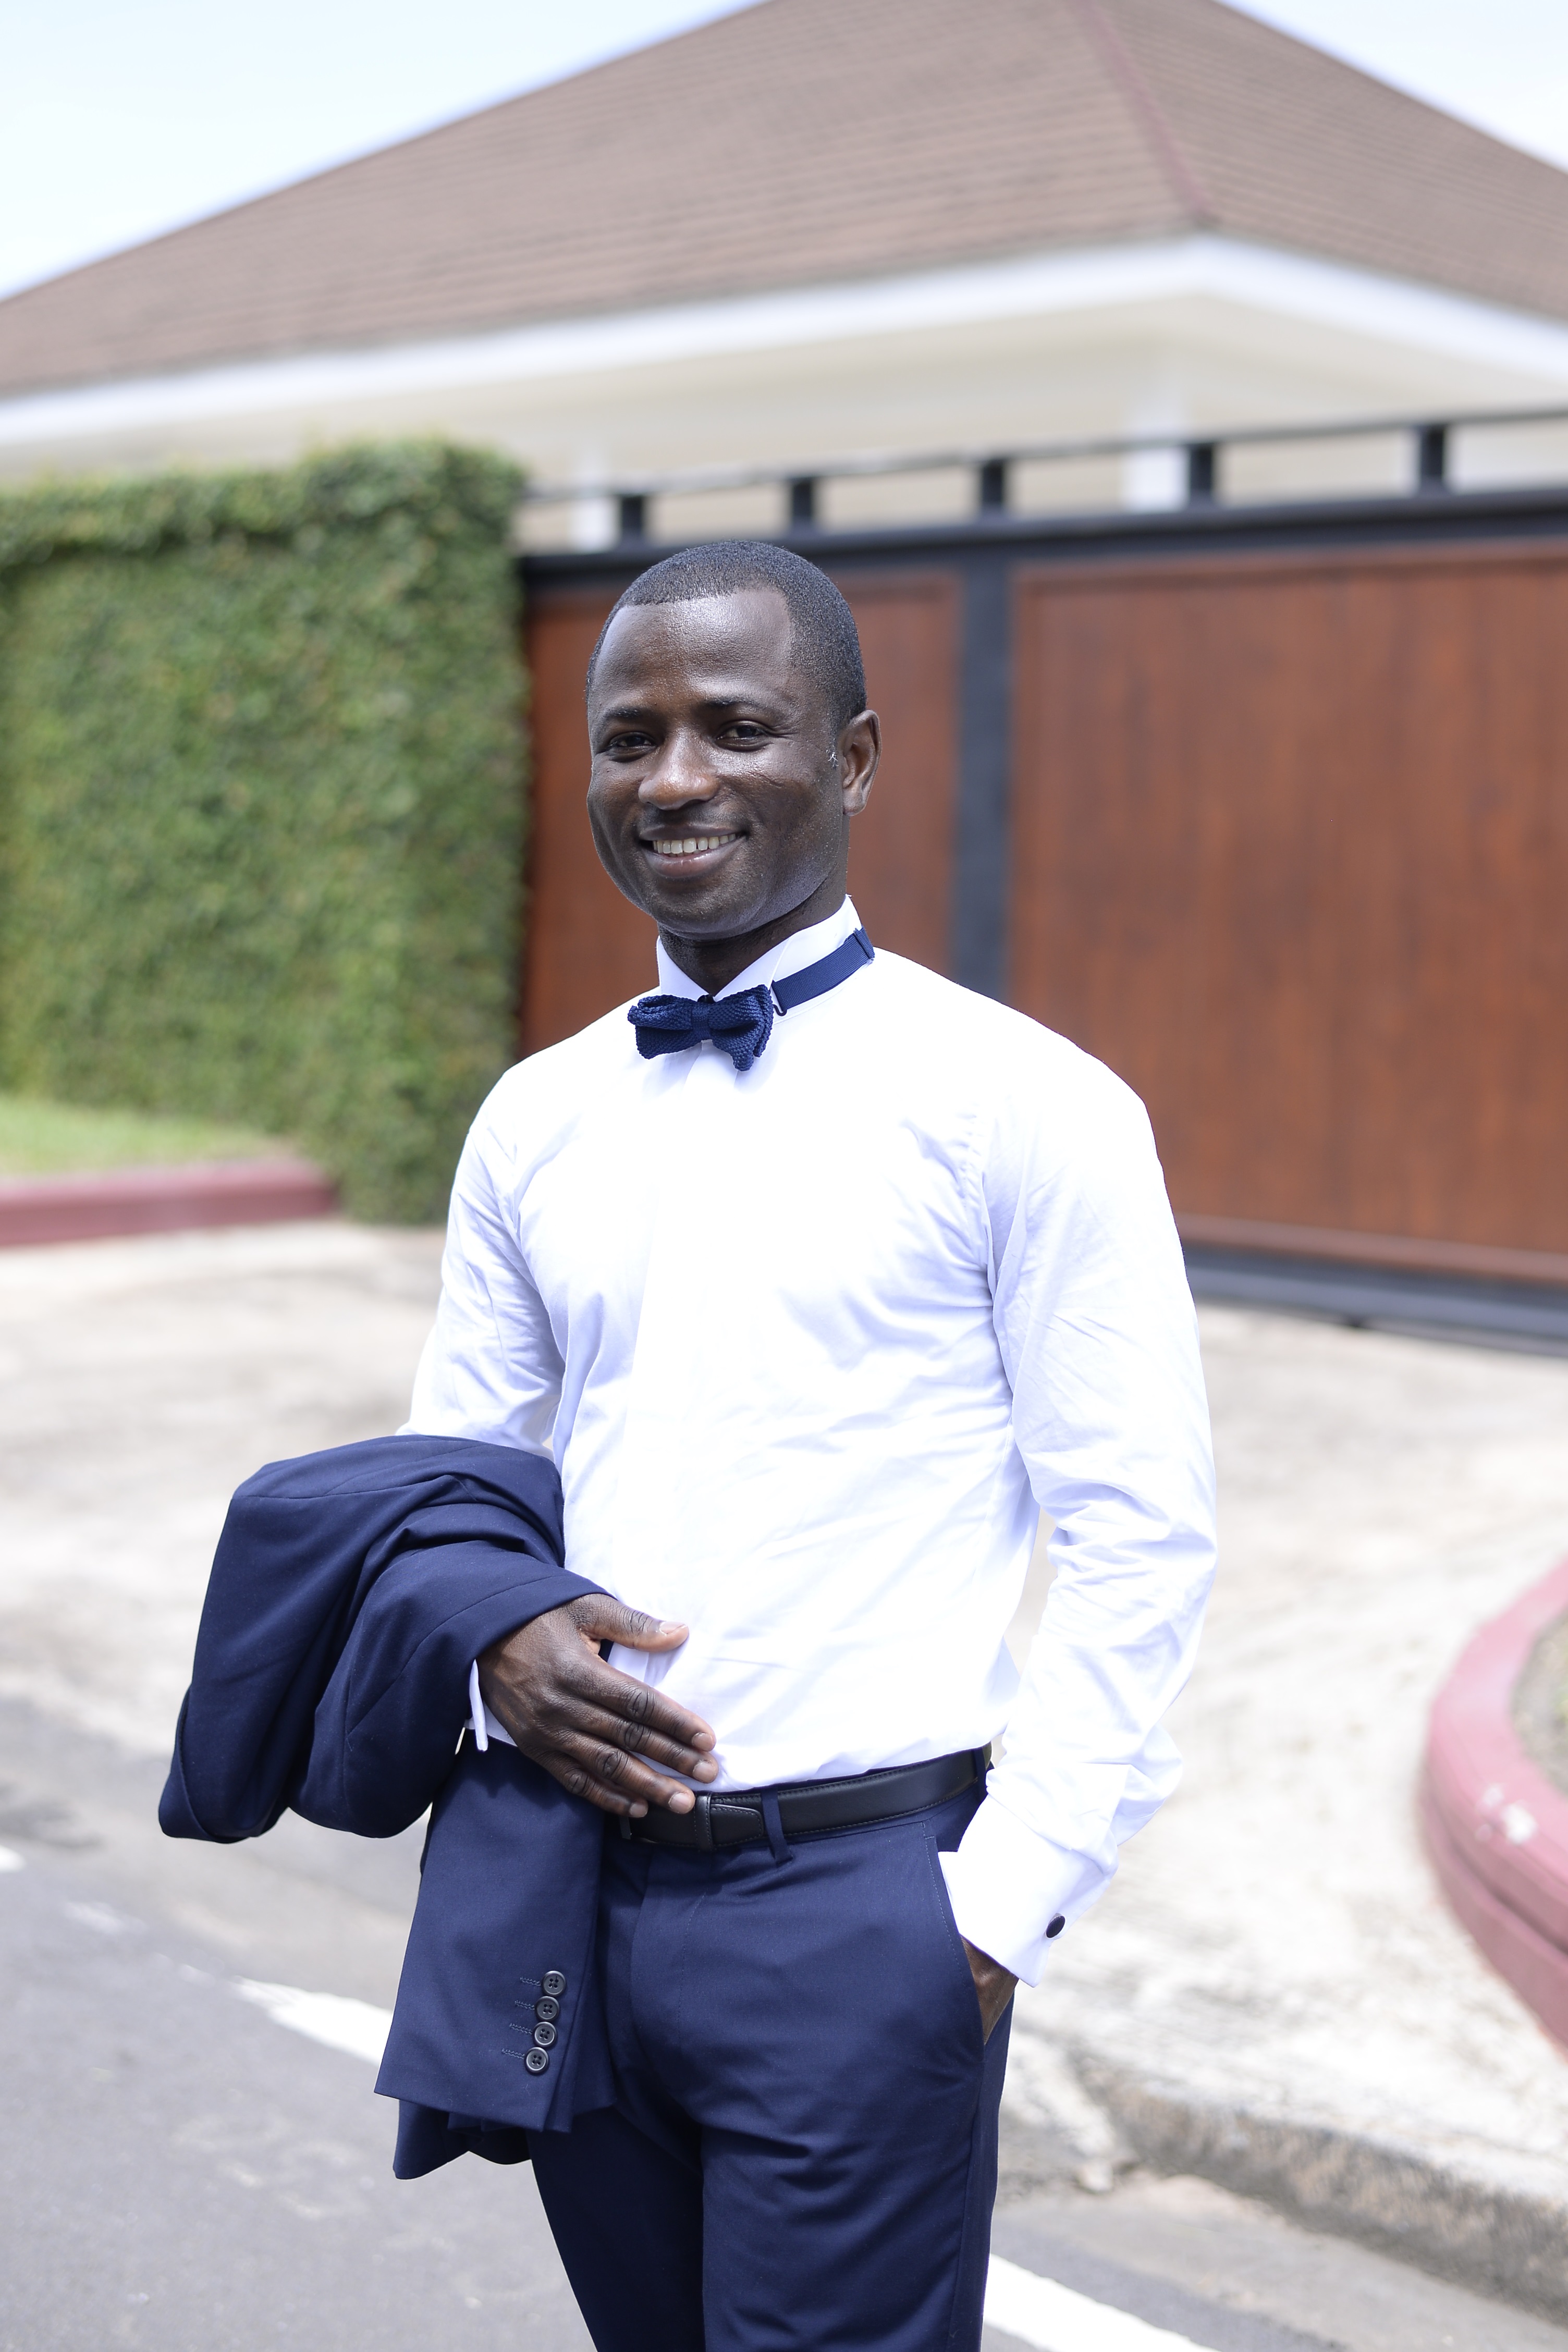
point(1290, 853)
point(900, 846)
point(587, 949)
point(585, 946)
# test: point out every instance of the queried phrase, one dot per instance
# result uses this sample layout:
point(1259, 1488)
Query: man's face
point(720, 794)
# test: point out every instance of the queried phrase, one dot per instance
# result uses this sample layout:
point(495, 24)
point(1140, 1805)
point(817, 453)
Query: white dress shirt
point(812, 1346)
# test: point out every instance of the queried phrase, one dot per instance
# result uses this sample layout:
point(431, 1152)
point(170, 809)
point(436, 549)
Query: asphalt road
point(180, 2172)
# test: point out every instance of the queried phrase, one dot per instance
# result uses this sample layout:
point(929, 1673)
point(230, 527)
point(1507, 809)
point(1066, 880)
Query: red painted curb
point(1497, 1828)
point(160, 1200)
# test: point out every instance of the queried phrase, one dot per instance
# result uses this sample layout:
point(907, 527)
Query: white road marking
point(1053, 2318)
point(356, 2026)
point(1032, 2309)
point(10, 1859)
point(101, 1919)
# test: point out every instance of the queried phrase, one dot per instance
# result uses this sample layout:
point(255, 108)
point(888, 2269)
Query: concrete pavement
point(1273, 1992)
point(141, 1380)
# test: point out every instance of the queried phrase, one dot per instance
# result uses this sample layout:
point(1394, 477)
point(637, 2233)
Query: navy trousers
point(802, 2153)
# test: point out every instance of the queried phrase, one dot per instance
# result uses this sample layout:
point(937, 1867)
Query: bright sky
point(119, 117)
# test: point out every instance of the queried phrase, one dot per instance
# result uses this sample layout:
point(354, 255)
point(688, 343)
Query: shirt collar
point(794, 954)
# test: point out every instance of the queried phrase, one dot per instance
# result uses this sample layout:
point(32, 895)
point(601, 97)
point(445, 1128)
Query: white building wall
point(1186, 337)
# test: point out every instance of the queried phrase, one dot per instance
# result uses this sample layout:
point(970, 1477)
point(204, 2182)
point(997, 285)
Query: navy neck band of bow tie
point(743, 1023)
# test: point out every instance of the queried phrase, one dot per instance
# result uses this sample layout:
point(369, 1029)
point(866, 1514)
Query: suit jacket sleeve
point(348, 1594)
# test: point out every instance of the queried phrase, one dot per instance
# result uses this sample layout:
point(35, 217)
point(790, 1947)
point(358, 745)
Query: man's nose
point(680, 773)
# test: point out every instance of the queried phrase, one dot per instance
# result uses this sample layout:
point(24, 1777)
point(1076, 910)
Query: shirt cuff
point(481, 1722)
point(1013, 1893)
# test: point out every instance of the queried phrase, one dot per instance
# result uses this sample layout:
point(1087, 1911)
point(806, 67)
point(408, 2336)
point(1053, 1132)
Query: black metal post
point(1203, 473)
point(992, 486)
point(980, 861)
point(633, 522)
point(803, 502)
point(1432, 458)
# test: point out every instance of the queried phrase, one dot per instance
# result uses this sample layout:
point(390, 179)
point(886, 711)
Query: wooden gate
point(1270, 812)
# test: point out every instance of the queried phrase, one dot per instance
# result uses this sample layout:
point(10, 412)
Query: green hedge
point(260, 803)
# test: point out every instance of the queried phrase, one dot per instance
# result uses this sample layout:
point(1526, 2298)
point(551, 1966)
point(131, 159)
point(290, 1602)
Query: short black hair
point(821, 627)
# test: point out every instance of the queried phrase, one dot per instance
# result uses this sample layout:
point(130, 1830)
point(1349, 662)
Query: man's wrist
point(1012, 1891)
point(993, 1985)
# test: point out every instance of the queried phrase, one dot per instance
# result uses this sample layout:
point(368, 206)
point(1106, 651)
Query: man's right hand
point(598, 1732)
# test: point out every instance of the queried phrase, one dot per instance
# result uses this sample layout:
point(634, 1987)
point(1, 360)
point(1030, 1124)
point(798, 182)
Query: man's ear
point(859, 753)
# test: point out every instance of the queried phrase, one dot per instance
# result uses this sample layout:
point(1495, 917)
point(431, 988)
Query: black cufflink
point(1058, 1923)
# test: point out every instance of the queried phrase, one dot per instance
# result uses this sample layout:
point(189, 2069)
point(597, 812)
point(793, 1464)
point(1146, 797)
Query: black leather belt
point(735, 1817)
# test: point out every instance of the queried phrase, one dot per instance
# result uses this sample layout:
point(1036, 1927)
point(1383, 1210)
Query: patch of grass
point(50, 1138)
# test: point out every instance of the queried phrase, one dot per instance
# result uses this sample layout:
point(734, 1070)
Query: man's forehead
point(745, 631)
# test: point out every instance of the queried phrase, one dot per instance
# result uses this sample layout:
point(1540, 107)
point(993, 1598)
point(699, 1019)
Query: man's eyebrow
point(760, 697)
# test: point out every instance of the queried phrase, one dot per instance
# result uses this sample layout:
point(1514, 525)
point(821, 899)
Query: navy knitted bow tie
point(743, 1024)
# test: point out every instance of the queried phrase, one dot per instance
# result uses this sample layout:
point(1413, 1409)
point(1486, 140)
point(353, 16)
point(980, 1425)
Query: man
point(820, 1278)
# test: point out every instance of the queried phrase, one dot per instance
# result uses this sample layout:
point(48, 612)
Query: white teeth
point(689, 848)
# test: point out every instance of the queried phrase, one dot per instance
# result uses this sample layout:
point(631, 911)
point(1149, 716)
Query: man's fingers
point(608, 1777)
point(612, 1621)
point(599, 1704)
point(588, 1677)
point(601, 1733)
point(637, 1740)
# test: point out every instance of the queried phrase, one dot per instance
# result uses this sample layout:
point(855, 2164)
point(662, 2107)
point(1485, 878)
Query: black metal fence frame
point(1431, 441)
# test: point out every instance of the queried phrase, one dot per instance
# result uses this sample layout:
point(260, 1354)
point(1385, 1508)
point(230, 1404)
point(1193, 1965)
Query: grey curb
point(1499, 2242)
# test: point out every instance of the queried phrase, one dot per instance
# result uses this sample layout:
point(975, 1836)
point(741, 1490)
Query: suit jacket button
point(543, 2036)
point(547, 2011)
point(536, 2061)
point(554, 1983)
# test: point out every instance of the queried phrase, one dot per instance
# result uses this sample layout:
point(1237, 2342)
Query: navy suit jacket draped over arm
point(350, 1593)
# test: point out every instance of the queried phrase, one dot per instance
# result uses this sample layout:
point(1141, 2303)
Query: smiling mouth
point(691, 845)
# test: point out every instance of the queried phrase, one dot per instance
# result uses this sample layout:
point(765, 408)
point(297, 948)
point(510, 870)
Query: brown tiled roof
point(807, 140)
